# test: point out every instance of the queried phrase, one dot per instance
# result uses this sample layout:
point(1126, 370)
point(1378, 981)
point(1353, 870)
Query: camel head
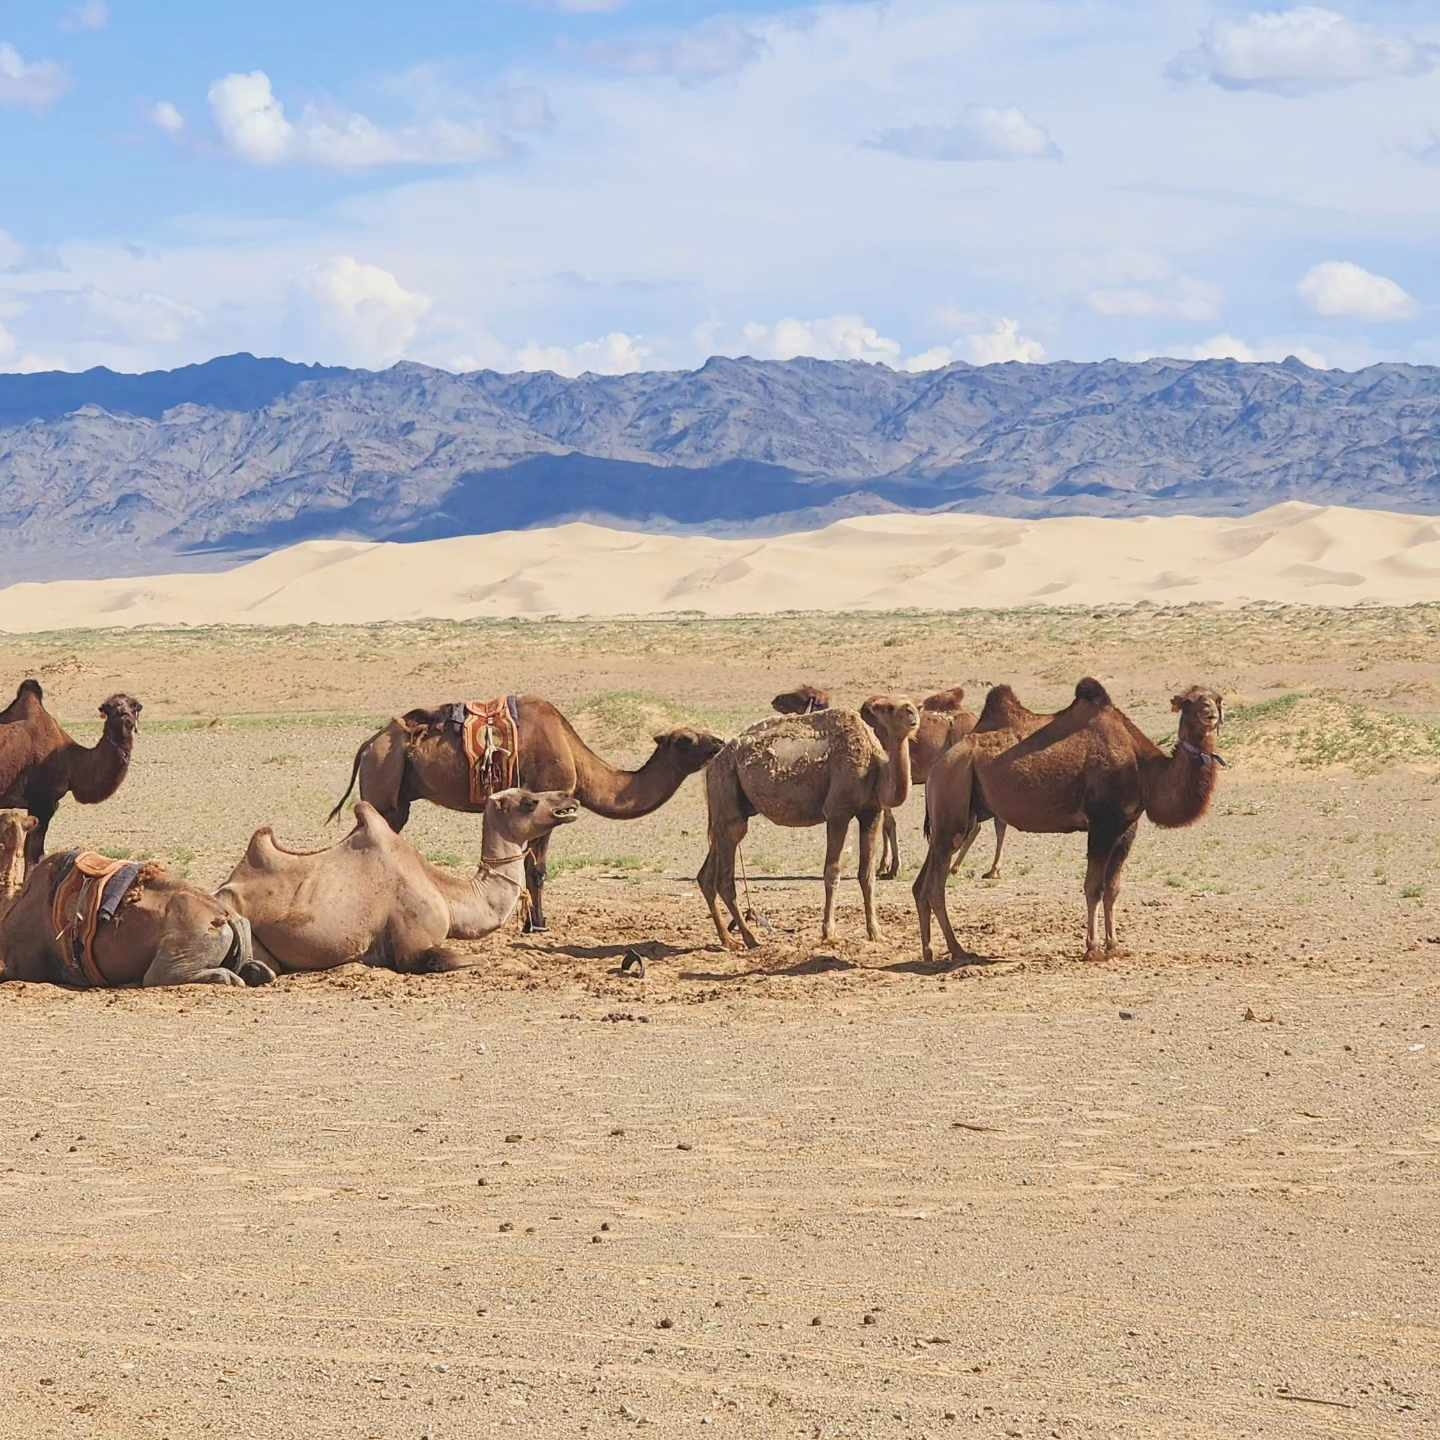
point(892, 717)
point(1202, 713)
point(15, 825)
point(524, 816)
point(122, 718)
point(945, 702)
point(690, 750)
point(802, 700)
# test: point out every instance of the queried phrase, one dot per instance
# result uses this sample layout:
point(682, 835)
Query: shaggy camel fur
point(822, 768)
point(40, 764)
point(1090, 769)
point(943, 720)
point(373, 898)
point(414, 758)
point(166, 933)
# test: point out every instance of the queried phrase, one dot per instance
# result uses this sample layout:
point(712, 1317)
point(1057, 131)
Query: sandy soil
point(815, 1191)
point(1292, 554)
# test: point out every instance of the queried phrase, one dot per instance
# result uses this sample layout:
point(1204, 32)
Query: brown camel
point(821, 768)
point(372, 897)
point(1090, 768)
point(165, 932)
point(943, 720)
point(40, 764)
point(416, 758)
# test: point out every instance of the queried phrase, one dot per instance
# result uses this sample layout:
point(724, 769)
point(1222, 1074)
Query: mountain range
point(105, 473)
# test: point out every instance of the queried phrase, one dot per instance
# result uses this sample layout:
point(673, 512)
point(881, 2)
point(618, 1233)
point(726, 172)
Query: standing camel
point(819, 768)
point(40, 764)
point(943, 721)
point(415, 757)
point(372, 897)
point(162, 932)
point(1090, 768)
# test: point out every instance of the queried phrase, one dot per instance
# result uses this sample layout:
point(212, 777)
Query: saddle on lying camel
point(89, 891)
point(490, 731)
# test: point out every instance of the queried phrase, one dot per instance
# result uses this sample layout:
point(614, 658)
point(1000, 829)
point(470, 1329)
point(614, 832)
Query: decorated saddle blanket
point(89, 890)
point(491, 732)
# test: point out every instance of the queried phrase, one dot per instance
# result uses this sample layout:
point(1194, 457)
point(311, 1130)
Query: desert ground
point(817, 1190)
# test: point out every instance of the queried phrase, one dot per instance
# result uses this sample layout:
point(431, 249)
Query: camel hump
point(945, 702)
point(1092, 691)
point(1002, 705)
point(31, 687)
point(802, 700)
point(370, 823)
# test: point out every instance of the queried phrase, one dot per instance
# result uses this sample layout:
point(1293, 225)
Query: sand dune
point(1291, 554)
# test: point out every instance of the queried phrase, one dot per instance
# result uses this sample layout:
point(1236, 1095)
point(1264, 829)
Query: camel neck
point(1177, 788)
point(96, 771)
point(897, 778)
point(481, 903)
point(624, 794)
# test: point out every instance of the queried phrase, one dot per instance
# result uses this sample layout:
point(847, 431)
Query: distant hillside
point(105, 473)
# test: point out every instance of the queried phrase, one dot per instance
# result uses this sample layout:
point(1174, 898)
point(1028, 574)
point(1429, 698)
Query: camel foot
point(993, 873)
point(256, 973)
point(533, 929)
point(1094, 955)
point(888, 874)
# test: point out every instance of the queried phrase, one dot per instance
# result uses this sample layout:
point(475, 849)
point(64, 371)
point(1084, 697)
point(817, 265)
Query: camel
point(40, 764)
point(415, 758)
point(820, 768)
point(15, 826)
point(1089, 768)
point(165, 933)
point(943, 720)
point(372, 897)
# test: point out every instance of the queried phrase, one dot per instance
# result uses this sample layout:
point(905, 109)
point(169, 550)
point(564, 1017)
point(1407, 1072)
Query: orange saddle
point(89, 891)
point(492, 746)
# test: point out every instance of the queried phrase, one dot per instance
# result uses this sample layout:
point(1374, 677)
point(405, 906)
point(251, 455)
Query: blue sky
point(622, 184)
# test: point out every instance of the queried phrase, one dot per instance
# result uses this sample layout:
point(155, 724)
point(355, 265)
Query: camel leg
point(993, 873)
point(535, 858)
point(870, 829)
point(939, 873)
point(835, 831)
point(1113, 866)
point(717, 880)
point(44, 813)
point(1104, 835)
point(890, 849)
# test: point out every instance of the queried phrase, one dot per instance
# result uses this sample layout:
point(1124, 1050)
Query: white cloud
point(253, 123)
point(11, 251)
point(34, 85)
point(981, 133)
point(89, 15)
point(936, 358)
point(367, 317)
point(1231, 347)
point(613, 354)
point(715, 47)
point(1003, 342)
point(1182, 299)
point(147, 318)
point(250, 119)
point(1300, 51)
point(1340, 287)
point(837, 337)
point(167, 117)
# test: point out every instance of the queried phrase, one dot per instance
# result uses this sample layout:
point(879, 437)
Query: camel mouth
point(565, 815)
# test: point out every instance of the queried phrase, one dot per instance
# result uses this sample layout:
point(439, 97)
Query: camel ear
point(663, 738)
point(1177, 702)
point(30, 823)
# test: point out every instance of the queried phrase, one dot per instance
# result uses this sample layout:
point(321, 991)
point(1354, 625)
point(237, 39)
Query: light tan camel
point(372, 897)
point(165, 933)
point(416, 758)
point(1090, 768)
point(943, 720)
point(15, 826)
point(40, 764)
point(821, 768)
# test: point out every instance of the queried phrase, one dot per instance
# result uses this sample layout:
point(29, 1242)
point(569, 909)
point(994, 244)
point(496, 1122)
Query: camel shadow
point(946, 965)
point(648, 950)
point(815, 965)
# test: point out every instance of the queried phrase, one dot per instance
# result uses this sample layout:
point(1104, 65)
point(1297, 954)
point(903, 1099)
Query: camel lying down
point(164, 932)
point(373, 898)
